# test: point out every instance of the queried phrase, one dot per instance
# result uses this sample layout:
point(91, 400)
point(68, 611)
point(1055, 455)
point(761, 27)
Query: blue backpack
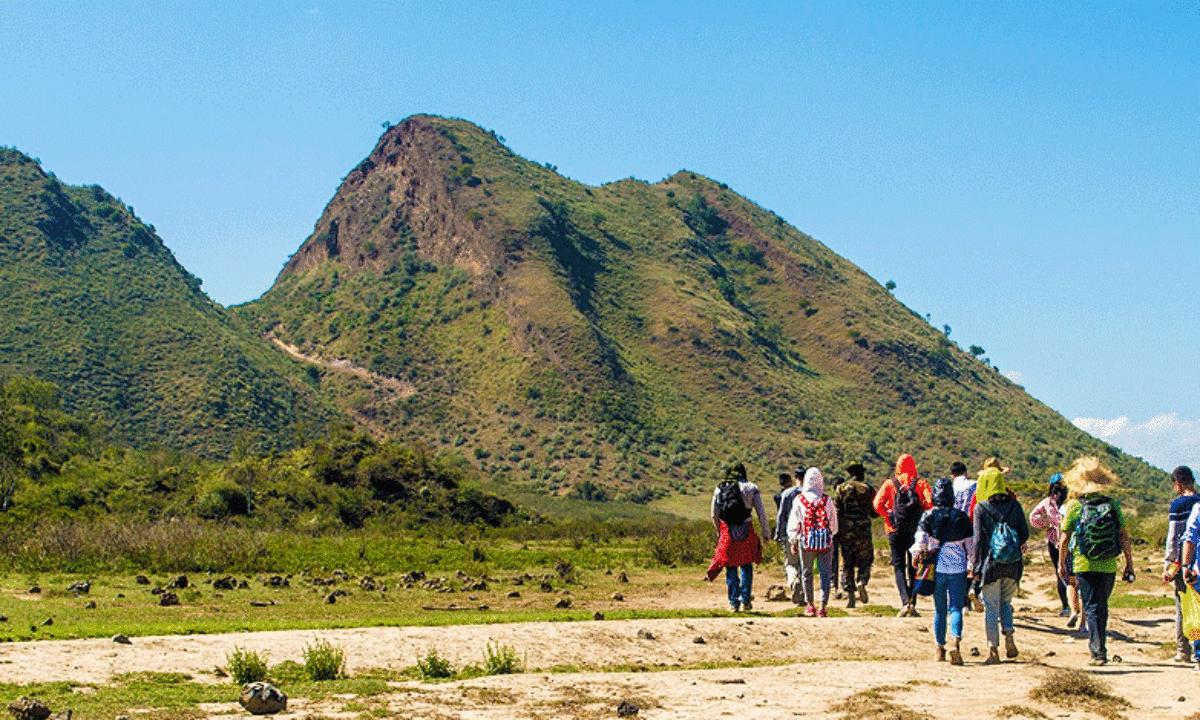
point(1006, 544)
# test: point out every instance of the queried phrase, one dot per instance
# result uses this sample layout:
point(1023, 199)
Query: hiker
point(785, 484)
point(1047, 514)
point(900, 501)
point(835, 564)
point(1095, 521)
point(791, 560)
point(1000, 535)
point(943, 539)
point(853, 500)
point(738, 547)
point(811, 528)
point(964, 499)
point(1177, 516)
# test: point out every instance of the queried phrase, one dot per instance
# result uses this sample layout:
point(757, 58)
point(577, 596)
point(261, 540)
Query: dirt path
point(812, 664)
point(402, 388)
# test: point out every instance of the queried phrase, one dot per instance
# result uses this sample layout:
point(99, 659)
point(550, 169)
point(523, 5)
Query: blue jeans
point(739, 590)
point(997, 606)
point(949, 596)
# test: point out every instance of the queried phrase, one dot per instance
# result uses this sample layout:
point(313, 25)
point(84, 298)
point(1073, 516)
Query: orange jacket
point(906, 475)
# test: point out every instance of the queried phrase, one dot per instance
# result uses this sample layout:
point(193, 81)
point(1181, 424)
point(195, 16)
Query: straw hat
point(993, 464)
point(1087, 476)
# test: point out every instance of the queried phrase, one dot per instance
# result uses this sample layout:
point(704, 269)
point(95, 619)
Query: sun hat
point(993, 464)
point(1088, 476)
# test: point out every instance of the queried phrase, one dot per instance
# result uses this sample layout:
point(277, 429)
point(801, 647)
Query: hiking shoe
point(941, 653)
point(850, 603)
point(912, 611)
point(733, 607)
point(1097, 662)
point(747, 606)
point(956, 657)
point(993, 657)
point(1182, 657)
point(903, 612)
point(810, 611)
point(822, 612)
point(1065, 612)
point(1073, 621)
point(797, 595)
point(862, 594)
point(1010, 646)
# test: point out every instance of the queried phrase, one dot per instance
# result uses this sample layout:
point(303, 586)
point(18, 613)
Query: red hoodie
point(906, 475)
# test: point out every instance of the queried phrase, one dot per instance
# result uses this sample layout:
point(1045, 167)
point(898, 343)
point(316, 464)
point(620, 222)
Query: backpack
point(817, 535)
point(1098, 534)
point(1006, 544)
point(906, 509)
point(854, 501)
point(731, 506)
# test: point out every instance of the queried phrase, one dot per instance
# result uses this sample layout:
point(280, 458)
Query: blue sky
point(1027, 173)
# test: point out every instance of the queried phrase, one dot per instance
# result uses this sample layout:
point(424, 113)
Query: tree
point(890, 285)
point(946, 330)
point(976, 350)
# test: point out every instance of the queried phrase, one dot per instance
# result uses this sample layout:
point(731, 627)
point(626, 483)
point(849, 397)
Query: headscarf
point(736, 472)
point(945, 522)
point(814, 483)
point(991, 482)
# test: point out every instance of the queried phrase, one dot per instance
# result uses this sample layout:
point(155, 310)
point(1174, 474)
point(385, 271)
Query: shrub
point(501, 660)
point(324, 661)
point(246, 666)
point(433, 666)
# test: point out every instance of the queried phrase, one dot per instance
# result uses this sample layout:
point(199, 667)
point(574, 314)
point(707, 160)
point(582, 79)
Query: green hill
point(95, 303)
point(625, 340)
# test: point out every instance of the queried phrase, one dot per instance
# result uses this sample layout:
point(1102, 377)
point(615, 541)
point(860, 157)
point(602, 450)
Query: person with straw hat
point(1000, 532)
point(1093, 527)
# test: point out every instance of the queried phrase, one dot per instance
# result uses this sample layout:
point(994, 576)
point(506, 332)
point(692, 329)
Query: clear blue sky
point(1026, 172)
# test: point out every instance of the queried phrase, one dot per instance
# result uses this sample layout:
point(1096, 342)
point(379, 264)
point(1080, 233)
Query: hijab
point(944, 522)
point(814, 483)
point(991, 482)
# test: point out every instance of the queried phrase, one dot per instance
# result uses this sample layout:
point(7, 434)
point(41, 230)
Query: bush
point(246, 666)
point(324, 661)
point(686, 544)
point(434, 667)
point(501, 660)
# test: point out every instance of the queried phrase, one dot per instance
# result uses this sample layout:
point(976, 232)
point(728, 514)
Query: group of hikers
point(961, 540)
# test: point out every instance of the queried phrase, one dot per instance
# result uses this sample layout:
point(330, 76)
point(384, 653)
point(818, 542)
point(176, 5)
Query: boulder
point(121, 639)
point(142, 580)
point(80, 587)
point(167, 599)
point(627, 709)
point(777, 593)
point(224, 583)
point(179, 582)
point(24, 708)
point(261, 698)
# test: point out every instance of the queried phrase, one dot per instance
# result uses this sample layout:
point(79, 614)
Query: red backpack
point(817, 535)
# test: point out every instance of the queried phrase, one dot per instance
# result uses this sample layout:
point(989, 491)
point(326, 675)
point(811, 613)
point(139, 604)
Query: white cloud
point(1164, 441)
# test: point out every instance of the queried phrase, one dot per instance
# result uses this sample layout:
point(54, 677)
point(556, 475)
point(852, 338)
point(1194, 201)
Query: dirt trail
point(402, 388)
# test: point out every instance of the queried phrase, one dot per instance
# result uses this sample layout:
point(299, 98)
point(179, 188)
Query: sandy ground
point(775, 667)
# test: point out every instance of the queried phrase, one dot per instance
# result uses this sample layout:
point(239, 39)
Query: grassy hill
point(95, 303)
point(626, 340)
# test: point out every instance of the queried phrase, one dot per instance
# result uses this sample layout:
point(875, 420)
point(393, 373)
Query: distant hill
point(94, 302)
point(626, 340)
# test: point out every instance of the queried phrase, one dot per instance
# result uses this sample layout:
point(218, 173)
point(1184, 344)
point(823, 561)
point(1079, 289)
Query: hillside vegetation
point(95, 303)
point(628, 340)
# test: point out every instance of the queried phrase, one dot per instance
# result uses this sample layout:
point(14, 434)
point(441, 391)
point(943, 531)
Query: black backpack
point(907, 508)
point(1098, 534)
point(731, 506)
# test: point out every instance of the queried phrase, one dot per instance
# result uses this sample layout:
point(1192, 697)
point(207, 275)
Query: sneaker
point(912, 611)
point(734, 607)
point(993, 657)
point(1065, 612)
point(1097, 662)
point(862, 594)
point(1182, 657)
point(1010, 646)
point(903, 612)
point(955, 657)
point(1073, 621)
point(810, 611)
point(747, 606)
point(822, 612)
point(941, 653)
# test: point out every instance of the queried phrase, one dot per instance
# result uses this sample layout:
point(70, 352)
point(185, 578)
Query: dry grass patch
point(1072, 689)
point(1020, 711)
point(876, 704)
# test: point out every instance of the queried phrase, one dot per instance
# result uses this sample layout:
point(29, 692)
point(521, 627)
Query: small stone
point(179, 582)
point(1182, 698)
point(142, 580)
point(90, 605)
point(514, 594)
point(121, 639)
point(80, 587)
point(563, 603)
point(597, 615)
point(262, 698)
point(618, 597)
point(168, 599)
point(622, 578)
point(331, 598)
point(48, 622)
point(24, 708)
point(627, 709)
point(974, 652)
point(35, 590)
point(3, 618)
point(777, 593)
point(698, 640)
point(645, 634)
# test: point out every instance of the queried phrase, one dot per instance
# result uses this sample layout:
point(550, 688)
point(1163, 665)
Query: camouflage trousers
point(857, 555)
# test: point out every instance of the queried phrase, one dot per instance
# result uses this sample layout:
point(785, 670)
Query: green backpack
point(1098, 535)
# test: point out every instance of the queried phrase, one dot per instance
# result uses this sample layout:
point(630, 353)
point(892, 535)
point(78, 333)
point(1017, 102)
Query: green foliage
point(246, 666)
point(324, 661)
point(434, 666)
point(685, 544)
point(500, 659)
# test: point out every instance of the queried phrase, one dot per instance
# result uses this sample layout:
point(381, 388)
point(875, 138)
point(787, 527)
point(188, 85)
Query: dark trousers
point(1094, 589)
point(906, 575)
point(1062, 586)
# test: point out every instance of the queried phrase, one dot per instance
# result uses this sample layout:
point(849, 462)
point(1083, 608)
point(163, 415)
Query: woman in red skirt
point(738, 546)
